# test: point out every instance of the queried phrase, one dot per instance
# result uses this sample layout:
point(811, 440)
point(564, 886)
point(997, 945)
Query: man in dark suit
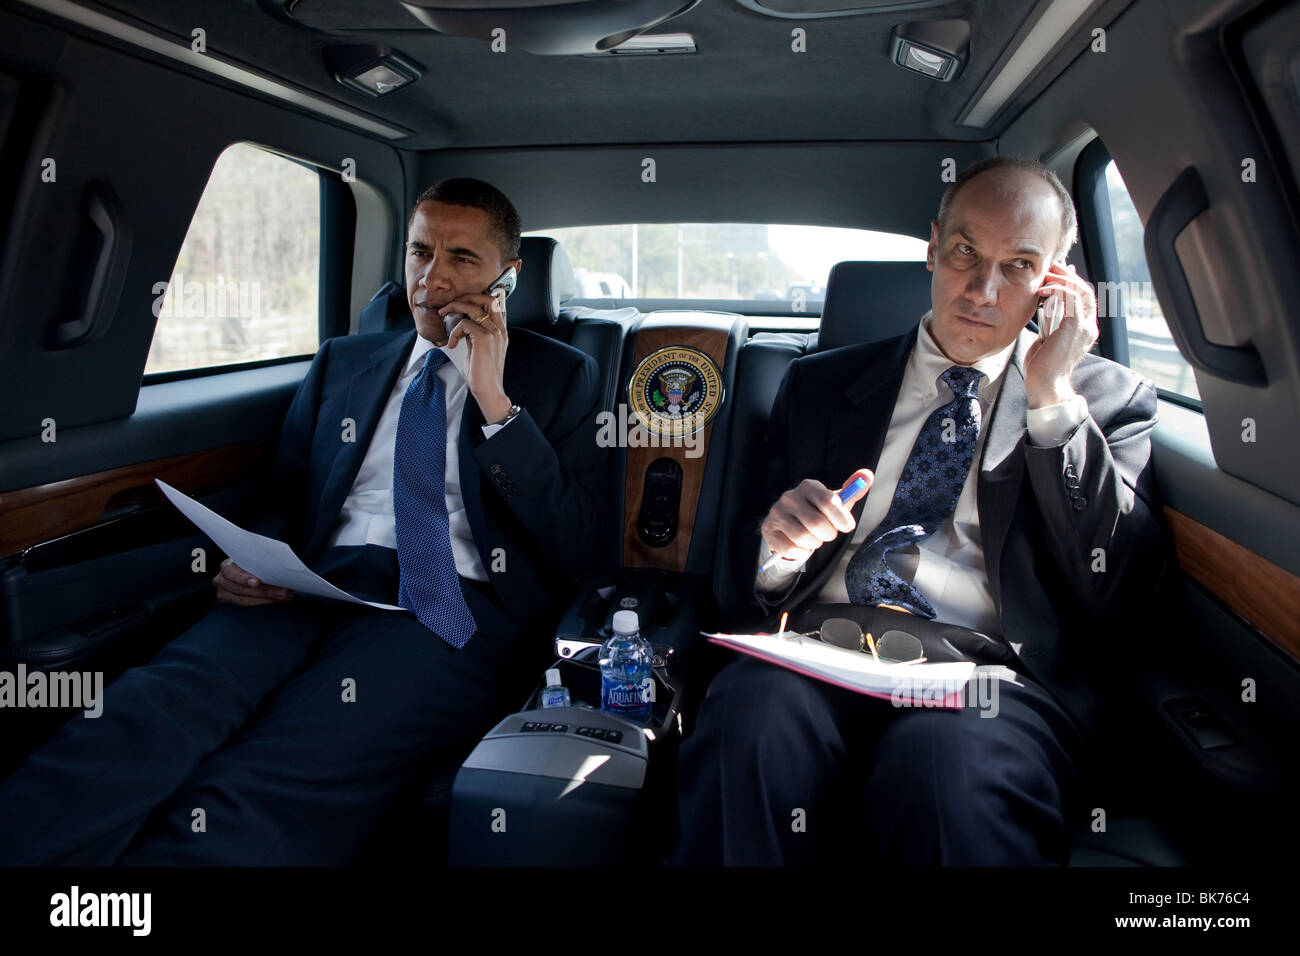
point(451, 469)
point(1012, 497)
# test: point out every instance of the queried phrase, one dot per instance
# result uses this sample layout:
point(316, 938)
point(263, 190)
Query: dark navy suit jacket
point(1043, 511)
point(533, 490)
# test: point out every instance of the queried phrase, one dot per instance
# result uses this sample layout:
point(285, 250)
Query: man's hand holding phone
point(483, 326)
point(810, 514)
point(1067, 330)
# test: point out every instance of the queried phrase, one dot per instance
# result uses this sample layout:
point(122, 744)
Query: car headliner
point(744, 85)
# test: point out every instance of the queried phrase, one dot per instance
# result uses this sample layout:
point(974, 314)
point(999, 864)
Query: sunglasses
point(893, 647)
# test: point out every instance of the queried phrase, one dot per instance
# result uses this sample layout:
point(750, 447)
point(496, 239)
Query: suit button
point(495, 468)
point(1071, 482)
point(1080, 503)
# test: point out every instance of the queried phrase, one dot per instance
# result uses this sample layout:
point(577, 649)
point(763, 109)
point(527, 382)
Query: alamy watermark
point(58, 689)
point(76, 909)
point(626, 431)
point(1126, 298)
point(217, 299)
point(979, 691)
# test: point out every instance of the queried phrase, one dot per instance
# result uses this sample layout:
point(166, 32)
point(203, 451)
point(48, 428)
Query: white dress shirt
point(367, 513)
point(948, 566)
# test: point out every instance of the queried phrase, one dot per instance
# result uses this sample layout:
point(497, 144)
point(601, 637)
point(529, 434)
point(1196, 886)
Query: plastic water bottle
point(626, 683)
point(556, 694)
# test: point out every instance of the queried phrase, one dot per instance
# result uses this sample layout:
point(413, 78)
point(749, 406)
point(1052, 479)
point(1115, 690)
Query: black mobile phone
point(506, 280)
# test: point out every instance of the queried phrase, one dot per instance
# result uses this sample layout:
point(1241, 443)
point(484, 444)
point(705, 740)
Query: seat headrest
point(546, 281)
point(872, 301)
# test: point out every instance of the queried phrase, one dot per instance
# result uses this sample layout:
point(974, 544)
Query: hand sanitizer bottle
point(556, 694)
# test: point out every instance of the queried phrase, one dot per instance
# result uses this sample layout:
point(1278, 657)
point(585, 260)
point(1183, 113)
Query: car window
point(1152, 351)
point(783, 266)
point(245, 284)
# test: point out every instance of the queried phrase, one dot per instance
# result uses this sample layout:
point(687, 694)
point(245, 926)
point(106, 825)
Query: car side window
point(245, 286)
point(1152, 350)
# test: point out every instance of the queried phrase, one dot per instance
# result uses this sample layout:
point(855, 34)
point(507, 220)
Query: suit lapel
point(367, 394)
point(471, 477)
point(1002, 469)
point(471, 486)
point(857, 437)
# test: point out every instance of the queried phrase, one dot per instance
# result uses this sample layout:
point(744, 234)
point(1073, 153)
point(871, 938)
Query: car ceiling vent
point(552, 27)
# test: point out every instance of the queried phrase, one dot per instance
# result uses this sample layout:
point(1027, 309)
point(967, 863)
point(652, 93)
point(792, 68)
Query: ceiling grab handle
point(1182, 202)
point(109, 246)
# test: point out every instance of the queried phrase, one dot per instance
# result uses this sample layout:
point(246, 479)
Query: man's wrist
point(1054, 394)
point(496, 411)
point(767, 552)
point(1052, 425)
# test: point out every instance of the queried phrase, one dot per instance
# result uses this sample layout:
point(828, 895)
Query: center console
point(576, 786)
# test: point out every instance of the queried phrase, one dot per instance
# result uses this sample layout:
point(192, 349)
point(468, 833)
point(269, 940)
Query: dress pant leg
point(754, 775)
point(306, 781)
point(81, 797)
point(957, 788)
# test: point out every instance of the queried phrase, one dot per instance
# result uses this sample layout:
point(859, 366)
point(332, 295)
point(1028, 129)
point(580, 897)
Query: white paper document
point(270, 561)
point(934, 685)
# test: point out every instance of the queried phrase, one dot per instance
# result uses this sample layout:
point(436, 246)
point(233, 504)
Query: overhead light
point(918, 58)
point(549, 27)
point(373, 70)
point(379, 79)
point(651, 44)
point(933, 48)
point(1058, 19)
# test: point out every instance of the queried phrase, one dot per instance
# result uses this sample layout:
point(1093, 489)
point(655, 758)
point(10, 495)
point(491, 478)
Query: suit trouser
point(784, 769)
point(268, 734)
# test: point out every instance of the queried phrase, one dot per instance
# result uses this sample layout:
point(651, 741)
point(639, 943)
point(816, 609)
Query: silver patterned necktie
point(928, 488)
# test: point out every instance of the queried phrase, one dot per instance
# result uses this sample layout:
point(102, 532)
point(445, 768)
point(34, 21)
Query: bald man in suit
point(1002, 464)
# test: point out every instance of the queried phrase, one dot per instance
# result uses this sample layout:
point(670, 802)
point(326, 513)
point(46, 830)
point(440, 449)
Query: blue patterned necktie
point(928, 488)
point(429, 586)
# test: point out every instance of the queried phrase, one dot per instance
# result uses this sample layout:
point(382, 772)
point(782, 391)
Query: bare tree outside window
point(245, 284)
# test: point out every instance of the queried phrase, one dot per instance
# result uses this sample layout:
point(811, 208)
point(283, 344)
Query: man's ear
point(932, 246)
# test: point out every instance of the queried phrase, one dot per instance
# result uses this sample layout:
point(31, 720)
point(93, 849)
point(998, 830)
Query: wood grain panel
point(31, 515)
point(709, 334)
point(1261, 592)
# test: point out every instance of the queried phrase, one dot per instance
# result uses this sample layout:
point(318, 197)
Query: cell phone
point(1047, 325)
point(506, 280)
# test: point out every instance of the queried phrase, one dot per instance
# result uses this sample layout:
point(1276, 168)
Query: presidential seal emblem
point(675, 391)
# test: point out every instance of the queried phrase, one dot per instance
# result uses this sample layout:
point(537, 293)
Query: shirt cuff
point(779, 575)
point(1053, 424)
point(490, 430)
